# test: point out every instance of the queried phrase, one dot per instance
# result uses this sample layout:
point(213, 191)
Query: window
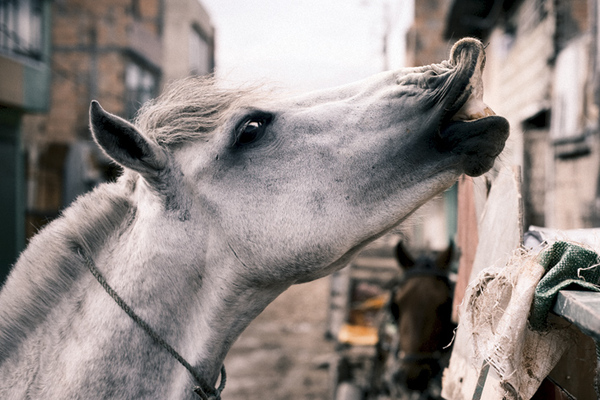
point(568, 108)
point(21, 28)
point(140, 85)
point(199, 54)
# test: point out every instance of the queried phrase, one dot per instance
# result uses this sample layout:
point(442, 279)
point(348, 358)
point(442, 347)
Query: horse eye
point(251, 131)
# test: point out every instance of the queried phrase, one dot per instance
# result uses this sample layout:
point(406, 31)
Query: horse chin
point(479, 141)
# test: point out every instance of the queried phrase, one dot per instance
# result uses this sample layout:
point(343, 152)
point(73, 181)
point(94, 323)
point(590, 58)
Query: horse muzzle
point(470, 128)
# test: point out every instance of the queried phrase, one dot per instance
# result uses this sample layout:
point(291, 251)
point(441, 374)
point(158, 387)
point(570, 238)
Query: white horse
point(227, 199)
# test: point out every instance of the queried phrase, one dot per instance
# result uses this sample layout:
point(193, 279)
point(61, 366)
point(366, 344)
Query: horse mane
point(192, 108)
point(51, 264)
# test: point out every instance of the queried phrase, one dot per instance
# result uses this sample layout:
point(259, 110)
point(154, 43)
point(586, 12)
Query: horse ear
point(445, 257)
point(122, 142)
point(404, 259)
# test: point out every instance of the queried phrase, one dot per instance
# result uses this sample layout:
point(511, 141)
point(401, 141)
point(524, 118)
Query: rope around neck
point(205, 391)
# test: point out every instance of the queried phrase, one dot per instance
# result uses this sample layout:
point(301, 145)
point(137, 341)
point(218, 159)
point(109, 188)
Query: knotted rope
point(203, 389)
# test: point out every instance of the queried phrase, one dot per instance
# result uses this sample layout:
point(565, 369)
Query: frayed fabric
point(498, 339)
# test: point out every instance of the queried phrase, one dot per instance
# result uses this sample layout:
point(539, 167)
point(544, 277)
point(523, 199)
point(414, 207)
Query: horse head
point(421, 306)
point(295, 187)
point(228, 198)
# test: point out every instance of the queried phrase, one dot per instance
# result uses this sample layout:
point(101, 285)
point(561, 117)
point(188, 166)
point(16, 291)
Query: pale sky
point(305, 44)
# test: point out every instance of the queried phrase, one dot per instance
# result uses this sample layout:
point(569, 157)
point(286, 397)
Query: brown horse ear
point(445, 258)
point(404, 259)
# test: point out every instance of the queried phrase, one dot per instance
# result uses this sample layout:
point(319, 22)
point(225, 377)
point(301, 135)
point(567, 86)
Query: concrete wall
point(181, 16)
point(518, 76)
point(573, 187)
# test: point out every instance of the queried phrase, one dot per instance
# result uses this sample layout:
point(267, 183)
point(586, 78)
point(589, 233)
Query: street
point(283, 354)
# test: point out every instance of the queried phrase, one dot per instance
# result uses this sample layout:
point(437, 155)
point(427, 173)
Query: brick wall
point(425, 42)
point(180, 18)
point(92, 44)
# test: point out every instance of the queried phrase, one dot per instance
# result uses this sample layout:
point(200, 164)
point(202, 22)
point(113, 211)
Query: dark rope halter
point(203, 389)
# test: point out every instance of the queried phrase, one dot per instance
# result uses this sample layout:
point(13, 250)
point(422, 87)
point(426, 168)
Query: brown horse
point(417, 327)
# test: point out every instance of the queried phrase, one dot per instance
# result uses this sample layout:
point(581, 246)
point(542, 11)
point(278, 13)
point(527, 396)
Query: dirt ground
point(283, 354)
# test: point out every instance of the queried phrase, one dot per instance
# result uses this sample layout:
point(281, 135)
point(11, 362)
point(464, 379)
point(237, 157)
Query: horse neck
point(226, 307)
point(47, 270)
point(197, 302)
point(191, 297)
point(198, 283)
point(189, 292)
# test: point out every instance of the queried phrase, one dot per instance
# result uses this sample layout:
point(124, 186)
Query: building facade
point(542, 75)
point(119, 52)
point(188, 40)
point(24, 89)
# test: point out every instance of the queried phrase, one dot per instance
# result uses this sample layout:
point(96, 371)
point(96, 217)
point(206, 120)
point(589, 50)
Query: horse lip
point(456, 105)
point(478, 142)
point(468, 56)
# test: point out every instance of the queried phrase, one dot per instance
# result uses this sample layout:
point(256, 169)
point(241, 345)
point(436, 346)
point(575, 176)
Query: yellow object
point(374, 303)
point(358, 335)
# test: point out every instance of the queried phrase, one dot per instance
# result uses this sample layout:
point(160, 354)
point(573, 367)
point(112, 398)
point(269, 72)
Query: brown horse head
point(421, 306)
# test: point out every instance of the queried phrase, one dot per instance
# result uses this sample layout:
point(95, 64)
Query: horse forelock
point(51, 264)
point(191, 109)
